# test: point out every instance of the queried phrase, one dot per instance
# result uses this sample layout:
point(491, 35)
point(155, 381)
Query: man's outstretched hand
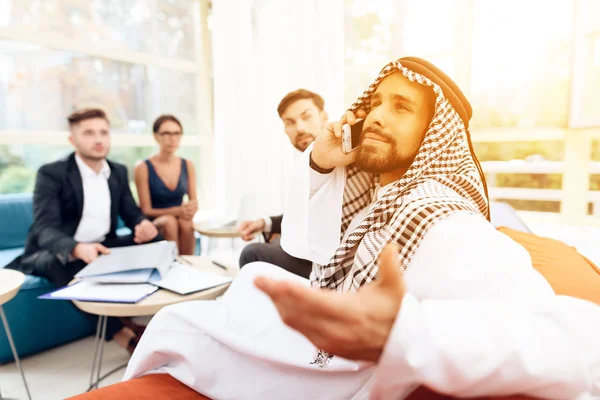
point(353, 325)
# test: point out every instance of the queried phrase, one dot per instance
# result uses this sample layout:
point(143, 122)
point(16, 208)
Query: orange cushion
point(423, 393)
point(564, 268)
point(568, 272)
point(163, 387)
point(148, 387)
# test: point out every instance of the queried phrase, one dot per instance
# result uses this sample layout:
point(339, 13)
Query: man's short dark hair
point(300, 94)
point(164, 118)
point(85, 114)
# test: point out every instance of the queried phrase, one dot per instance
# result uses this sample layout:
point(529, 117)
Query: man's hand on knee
point(145, 231)
point(248, 229)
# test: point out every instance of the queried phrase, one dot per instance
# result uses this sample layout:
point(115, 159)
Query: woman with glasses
point(162, 182)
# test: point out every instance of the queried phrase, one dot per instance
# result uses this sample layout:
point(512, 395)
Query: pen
point(184, 260)
point(219, 265)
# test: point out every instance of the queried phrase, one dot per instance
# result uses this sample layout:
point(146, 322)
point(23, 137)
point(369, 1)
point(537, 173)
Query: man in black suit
point(304, 117)
point(76, 203)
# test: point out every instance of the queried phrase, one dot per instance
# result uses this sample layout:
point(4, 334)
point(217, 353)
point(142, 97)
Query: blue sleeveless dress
point(160, 195)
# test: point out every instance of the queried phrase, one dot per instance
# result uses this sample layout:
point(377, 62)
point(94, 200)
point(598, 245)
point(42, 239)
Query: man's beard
point(298, 143)
point(92, 157)
point(375, 160)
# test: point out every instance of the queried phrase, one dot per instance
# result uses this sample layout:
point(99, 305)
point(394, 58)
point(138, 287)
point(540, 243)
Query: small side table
point(224, 232)
point(10, 283)
point(148, 306)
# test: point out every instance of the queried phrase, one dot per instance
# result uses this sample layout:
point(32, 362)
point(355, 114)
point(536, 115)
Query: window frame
point(200, 66)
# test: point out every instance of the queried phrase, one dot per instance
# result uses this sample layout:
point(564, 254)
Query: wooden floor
point(60, 372)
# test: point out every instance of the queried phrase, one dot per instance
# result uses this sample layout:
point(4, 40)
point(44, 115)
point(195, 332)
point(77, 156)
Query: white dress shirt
point(95, 219)
point(268, 224)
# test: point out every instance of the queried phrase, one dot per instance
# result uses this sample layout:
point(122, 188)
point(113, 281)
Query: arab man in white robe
point(457, 306)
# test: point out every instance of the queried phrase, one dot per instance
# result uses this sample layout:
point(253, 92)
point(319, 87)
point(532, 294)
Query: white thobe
point(477, 319)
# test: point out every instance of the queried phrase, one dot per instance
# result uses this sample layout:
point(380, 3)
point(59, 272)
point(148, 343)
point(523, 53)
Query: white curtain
point(262, 50)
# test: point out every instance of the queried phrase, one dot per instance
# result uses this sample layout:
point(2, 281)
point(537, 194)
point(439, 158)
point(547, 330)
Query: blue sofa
point(36, 325)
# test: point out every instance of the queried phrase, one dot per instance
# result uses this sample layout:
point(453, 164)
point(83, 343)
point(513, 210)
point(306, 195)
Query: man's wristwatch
point(317, 168)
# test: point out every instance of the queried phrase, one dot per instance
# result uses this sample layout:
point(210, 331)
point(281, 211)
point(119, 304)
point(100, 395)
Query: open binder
point(129, 274)
point(131, 264)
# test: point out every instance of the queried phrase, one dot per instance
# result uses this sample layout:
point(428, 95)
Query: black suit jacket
point(276, 227)
point(58, 207)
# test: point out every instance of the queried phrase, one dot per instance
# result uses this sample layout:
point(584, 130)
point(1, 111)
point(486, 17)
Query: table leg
point(96, 341)
point(98, 352)
point(14, 349)
point(210, 248)
point(102, 341)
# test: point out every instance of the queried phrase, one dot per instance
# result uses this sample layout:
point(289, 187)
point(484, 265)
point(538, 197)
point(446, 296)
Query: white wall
point(262, 50)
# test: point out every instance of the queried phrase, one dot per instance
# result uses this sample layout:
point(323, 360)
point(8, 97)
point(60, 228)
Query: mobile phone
point(351, 136)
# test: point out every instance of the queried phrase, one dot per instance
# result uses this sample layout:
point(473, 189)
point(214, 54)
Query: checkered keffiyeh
point(442, 179)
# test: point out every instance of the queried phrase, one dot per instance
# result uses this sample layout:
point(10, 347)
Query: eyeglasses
point(169, 134)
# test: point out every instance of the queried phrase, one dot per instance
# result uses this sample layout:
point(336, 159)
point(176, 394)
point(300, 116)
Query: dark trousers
point(272, 253)
point(61, 274)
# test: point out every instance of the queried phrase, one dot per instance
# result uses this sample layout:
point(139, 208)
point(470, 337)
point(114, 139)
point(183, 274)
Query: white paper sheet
point(184, 279)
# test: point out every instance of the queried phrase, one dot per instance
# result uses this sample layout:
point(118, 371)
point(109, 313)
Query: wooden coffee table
point(148, 306)
point(10, 283)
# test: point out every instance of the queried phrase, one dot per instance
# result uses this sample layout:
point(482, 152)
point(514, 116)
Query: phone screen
point(356, 131)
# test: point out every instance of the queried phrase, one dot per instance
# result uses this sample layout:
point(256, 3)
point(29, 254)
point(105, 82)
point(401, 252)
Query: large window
point(41, 86)
point(511, 58)
point(520, 78)
point(377, 32)
point(136, 59)
point(531, 69)
point(586, 88)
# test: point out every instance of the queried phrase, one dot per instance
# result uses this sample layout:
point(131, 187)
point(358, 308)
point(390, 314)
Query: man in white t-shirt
point(304, 117)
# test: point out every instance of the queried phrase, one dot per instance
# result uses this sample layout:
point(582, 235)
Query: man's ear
point(324, 116)
point(71, 140)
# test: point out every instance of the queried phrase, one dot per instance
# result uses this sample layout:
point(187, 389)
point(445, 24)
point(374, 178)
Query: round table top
point(161, 298)
point(10, 283)
point(222, 232)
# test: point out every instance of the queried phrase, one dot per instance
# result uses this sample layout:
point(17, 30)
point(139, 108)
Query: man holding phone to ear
point(303, 116)
point(411, 285)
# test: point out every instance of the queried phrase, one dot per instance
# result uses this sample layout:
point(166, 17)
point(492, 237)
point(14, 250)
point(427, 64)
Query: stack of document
point(129, 274)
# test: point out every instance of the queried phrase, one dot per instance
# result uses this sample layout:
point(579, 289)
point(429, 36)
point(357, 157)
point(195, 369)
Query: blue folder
point(102, 292)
